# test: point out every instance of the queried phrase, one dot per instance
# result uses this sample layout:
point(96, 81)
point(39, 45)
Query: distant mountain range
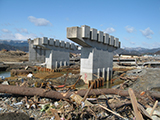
point(137, 51)
point(23, 45)
point(14, 45)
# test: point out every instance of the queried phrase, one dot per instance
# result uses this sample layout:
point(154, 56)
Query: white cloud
point(17, 36)
point(129, 29)
point(5, 30)
point(101, 25)
point(133, 43)
point(6, 24)
point(151, 45)
point(22, 30)
point(7, 36)
point(156, 44)
point(110, 30)
point(126, 38)
point(39, 21)
point(147, 33)
point(41, 34)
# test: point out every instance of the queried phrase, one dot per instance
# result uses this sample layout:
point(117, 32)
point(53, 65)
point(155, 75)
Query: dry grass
point(13, 56)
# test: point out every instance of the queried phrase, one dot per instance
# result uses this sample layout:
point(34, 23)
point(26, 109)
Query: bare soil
point(13, 56)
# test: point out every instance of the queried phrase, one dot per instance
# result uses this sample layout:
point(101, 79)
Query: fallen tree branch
point(26, 91)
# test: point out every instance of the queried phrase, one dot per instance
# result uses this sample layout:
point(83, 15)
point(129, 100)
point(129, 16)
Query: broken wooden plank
point(88, 92)
point(144, 112)
point(155, 105)
point(73, 86)
point(78, 100)
point(134, 104)
point(111, 111)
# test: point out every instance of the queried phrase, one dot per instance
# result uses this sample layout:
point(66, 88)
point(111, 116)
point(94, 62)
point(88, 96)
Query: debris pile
point(47, 103)
point(55, 96)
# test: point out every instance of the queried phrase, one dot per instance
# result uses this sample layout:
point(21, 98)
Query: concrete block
point(116, 42)
point(44, 40)
point(71, 46)
point(106, 38)
point(67, 44)
point(93, 33)
point(51, 41)
point(62, 43)
point(85, 31)
point(111, 40)
point(56, 43)
point(100, 36)
point(37, 41)
point(74, 32)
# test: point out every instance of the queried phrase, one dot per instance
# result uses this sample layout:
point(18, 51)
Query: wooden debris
point(78, 100)
point(55, 114)
point(87, 92)
point(129, 78)
point(155, 104)
point(73, 86)
point(134, 104)
point(26, 91)
point(112, 80)
point(66, 78)
point(111, 111)
point(144, 112)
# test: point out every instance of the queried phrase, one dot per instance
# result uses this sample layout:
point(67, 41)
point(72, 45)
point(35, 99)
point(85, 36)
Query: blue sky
point(135, 22)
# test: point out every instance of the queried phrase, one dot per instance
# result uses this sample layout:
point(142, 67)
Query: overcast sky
point(135, 22)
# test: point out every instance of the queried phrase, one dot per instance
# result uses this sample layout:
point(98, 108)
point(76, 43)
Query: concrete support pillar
point(108, 74)
point(111, 73)
point(104, 73)
point(98, 73)
point(65, 63)
point(60, 63)
point(56, 64)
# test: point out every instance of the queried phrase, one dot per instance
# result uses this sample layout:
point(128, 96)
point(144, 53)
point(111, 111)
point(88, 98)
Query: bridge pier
point(97, 51)
point(55, 53)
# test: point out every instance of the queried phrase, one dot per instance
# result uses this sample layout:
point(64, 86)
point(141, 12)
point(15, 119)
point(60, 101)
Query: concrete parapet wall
point(50, 43)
